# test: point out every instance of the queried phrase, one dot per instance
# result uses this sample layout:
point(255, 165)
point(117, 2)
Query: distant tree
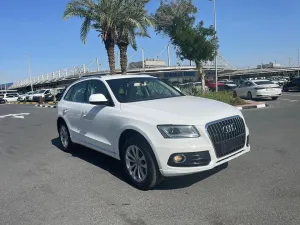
point(130, 27)
point(176, 19)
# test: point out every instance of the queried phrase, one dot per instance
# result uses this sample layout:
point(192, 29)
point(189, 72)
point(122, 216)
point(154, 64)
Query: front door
point(72, 109)
point(99, 120)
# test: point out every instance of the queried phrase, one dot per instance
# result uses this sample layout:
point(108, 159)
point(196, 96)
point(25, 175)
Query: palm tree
point(101, 15)
point(130, 27)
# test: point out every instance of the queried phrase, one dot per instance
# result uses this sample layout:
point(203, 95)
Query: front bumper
point(167, 147)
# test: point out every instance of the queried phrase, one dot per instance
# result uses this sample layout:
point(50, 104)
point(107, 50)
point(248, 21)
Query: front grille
point(227, 135)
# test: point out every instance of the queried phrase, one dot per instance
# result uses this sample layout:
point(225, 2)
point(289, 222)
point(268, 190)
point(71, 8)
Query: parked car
point(2, 101)
point(60, 94)
point(293, 85)
point(151, 127)
point(258, 89)
point(10, 97)
point(29, 96)
point(49, 97)
point(212, 85)
point(22, 98)
point(229, 85)
point(40, 94)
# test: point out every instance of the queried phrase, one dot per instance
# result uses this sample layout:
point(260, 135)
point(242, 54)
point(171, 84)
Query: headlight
point(178, 131)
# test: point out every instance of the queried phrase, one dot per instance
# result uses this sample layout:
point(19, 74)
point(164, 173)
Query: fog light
point(179, 158)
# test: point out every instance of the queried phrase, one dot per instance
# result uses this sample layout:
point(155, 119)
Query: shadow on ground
point(114, 167)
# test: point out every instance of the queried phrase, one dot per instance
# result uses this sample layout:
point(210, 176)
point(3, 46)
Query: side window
point(69, 94)
point(47, 92)
point(248, 84)
point(97, 87)
point(78, 95)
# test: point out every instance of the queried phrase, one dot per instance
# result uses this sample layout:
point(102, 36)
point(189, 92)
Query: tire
point(149, 175)
point(249, 95)
point(234, 94)
point(274, 98)
point(65, 135)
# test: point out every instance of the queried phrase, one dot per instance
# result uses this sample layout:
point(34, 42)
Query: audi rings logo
point(228, 128)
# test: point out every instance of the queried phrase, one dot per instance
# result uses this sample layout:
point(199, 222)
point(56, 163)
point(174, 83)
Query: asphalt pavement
point(41, 184)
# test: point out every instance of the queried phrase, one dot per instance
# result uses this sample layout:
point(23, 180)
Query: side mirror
point(98, 99)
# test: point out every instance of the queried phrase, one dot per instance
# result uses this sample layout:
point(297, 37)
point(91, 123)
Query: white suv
point(153, 128)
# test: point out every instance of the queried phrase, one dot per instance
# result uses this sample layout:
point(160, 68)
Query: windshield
point(141, 89)
point(263, 82)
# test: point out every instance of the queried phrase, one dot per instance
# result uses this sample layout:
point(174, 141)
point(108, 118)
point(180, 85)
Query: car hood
point(181, 110)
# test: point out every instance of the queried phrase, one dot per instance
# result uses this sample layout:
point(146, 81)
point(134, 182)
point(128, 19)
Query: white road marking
point(288, 100)
point(17, 116)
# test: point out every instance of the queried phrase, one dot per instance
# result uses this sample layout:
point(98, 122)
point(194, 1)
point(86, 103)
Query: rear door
point(240, 90)
point(71, 109)
point(98, 120)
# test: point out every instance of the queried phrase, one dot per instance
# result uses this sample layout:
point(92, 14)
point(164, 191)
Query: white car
point(22, 98)
point(258, 89)
point(150, 126)
point(40, 94)
point(10, 97)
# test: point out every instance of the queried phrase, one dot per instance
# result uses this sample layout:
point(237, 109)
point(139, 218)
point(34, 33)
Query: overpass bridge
point(62, 78)
point(261, 72)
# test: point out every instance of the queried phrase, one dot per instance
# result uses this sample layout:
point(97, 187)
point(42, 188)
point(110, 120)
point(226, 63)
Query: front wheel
point(139, 164)
point(274, 98)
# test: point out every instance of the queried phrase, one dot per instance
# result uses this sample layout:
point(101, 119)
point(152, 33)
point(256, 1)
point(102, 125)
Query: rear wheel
point(249, 95)
point(140, 164)
point(274, 98)
point(64, 137)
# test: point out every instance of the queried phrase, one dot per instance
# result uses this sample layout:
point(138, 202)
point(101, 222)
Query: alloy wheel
point(64, 136)
point(136, 163)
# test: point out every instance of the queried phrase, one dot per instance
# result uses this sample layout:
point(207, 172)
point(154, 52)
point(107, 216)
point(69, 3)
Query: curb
point(46, 106)
point(21, 103)
point(263, 105)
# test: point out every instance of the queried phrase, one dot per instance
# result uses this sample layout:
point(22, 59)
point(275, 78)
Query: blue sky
point(250, 31)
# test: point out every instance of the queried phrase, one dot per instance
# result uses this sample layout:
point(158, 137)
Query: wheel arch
point(132, 131)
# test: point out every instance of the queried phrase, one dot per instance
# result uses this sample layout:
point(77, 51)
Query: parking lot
point(41, 184)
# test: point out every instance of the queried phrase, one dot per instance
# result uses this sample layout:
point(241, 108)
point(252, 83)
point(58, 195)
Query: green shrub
point(224, 96)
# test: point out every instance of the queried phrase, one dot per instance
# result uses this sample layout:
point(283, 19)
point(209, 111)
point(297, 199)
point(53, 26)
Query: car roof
point(113, 77)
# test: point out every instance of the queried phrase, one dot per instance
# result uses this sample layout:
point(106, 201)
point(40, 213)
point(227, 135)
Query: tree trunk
point(123, 57)
point(201, 74)
point(110, 49)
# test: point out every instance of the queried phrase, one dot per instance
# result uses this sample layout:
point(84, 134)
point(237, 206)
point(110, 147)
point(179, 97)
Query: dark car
point(49, 98)
point(2, 101)
point(60, 94)
point(293, 85)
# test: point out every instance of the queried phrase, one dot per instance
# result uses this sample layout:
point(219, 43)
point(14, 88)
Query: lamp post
point(29, 70)
point(298, 61)
point(216, 57)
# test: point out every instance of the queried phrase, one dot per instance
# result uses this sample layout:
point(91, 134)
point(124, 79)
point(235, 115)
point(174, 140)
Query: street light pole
point(29, 70)
point(298, 61)
point(216, 57)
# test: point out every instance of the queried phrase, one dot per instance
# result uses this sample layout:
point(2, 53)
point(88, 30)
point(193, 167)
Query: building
point(269, 65)
point(148, 63)
point(5, 86)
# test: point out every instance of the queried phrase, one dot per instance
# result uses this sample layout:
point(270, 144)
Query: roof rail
point(92, 76)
